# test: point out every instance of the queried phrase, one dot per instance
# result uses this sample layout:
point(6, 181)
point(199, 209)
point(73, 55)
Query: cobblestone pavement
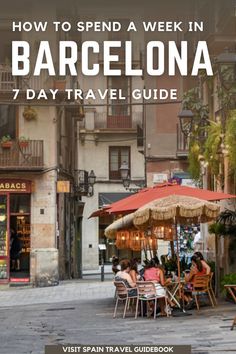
point(26, 325)
point(65, 291)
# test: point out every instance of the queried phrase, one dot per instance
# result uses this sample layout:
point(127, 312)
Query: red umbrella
point(147, 195)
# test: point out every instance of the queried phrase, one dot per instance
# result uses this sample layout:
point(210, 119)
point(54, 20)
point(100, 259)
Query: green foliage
point(193, 102)
point(194, 165)
point(6, 138)
point(227, 217)
point(217, 229)
point(171, 265)
point(212, 145)
point(226, 280)
point(231, 138)
point(225, 224)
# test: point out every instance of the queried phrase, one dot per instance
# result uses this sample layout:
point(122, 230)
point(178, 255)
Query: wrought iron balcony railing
point(21, 155)
point(101, 121)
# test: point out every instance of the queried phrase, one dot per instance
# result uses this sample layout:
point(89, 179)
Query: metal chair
point(201, 286)
point(147, 292)
point(123, 294)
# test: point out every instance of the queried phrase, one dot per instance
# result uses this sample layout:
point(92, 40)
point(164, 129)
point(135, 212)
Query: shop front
point(15, 226)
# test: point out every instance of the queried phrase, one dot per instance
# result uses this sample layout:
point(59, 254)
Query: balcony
point(44, 81)
point(182, 143)
point(22, 156)
point(7, 81)
point(101, 122)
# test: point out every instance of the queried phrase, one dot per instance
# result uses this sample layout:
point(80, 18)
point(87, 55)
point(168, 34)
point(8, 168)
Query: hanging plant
point(30, 113)
point(230, 139)
point(212, 145)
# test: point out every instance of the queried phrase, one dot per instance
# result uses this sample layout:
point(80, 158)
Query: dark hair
point(134, 264)
point(115, 261)
point(150, 264)
point(198, 262)
point(199, 255)
point(124, 264)
point(156, 260)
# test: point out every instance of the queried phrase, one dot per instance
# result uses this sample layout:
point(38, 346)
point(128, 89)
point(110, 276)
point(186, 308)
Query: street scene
point(118, 174)
point(81, 312)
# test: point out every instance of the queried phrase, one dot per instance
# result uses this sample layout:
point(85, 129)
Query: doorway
point(19, 237)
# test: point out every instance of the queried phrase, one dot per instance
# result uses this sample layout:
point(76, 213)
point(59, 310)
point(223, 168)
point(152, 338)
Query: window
point(117, 155)
point(7, 121)
point(7, 36)
point(121, 83)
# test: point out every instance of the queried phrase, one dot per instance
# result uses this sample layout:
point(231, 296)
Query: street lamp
point(226, 64)
point(186, 121)
point(126, 180)
point(91, 181)
point(124, 170)
point(91, 178)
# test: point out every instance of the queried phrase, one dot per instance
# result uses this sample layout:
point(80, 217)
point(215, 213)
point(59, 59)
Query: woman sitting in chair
point(204, 263)
point(123, 275)
point(155, 274)
point(196, 269)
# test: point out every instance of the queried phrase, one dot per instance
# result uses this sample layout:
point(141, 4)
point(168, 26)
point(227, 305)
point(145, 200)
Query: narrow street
point(81, 313)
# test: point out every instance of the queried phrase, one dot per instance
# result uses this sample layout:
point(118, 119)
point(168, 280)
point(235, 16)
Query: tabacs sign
point(15, 186)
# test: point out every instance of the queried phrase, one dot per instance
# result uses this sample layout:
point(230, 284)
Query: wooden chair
point(123, 294)
point(201, 286)
point(211, 289)
point(147, 292)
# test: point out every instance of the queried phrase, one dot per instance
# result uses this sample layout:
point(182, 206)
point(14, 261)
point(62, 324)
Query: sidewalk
point(68, 290)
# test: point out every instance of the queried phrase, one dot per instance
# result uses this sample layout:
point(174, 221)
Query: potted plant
point(23, 142)
point(6, 142)
point(59, 83)
point(30, 113)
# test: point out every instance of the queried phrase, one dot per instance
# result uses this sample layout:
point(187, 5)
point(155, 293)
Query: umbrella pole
point(178, 261)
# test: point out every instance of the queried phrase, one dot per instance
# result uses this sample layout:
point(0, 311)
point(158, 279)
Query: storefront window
point(3, 228)
point(20, 204)
point(3, 269)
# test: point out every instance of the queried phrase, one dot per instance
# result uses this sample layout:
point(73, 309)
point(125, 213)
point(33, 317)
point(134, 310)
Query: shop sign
point(160, 178)
point(15, 186)
point(188, 182)
point(63, 186)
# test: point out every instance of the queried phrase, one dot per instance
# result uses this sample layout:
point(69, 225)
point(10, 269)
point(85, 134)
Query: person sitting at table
point(204, 263)
point(152, 273)
point(115, 265)
point(134, 270)
point(123, 275)
point(196, 269)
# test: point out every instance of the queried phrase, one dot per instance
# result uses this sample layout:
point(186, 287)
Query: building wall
point(43, 199)
point(96, 157)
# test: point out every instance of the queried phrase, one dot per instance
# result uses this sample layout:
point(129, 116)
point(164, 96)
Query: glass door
point(4, 239)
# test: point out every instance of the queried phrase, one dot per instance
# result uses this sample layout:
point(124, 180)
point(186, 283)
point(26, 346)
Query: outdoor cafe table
point(172, 289)
point(231, 288)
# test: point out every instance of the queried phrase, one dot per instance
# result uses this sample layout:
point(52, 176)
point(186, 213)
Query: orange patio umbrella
point(147, 195)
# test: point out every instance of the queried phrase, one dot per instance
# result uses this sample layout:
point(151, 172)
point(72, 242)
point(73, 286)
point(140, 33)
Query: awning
point(105, 199)
point(147, 195)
